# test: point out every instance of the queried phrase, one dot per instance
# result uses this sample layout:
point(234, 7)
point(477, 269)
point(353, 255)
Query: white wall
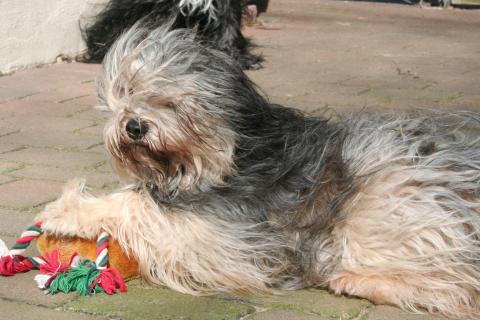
point(33, 32)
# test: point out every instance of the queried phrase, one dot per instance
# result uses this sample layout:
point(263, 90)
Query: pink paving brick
point(28, 193)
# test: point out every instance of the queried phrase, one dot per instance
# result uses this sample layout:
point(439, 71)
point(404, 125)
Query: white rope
point(4, 251)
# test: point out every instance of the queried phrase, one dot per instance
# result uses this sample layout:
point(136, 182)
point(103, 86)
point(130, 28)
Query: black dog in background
point(217, 21)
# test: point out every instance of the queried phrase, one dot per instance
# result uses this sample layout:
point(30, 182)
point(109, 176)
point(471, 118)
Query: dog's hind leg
point(412, 245)
point(456, 300)
point(410, 235)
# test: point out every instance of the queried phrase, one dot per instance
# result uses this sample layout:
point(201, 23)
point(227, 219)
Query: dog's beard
point(151, 162)
point(170, 160)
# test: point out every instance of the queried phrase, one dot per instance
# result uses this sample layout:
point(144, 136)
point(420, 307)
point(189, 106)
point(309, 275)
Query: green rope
point(78, 279)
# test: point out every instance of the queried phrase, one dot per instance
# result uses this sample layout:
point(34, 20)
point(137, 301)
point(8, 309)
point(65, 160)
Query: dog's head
point(176, 103)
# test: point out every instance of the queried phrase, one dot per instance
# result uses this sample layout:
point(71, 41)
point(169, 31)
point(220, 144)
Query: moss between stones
point(162, 304)
point(318, 302)
point(159, 303)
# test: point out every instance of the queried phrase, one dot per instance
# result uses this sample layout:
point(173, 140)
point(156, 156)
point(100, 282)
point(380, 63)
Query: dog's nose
point(136, 130)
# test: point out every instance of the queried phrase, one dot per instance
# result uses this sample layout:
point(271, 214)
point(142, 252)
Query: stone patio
point(338, 54)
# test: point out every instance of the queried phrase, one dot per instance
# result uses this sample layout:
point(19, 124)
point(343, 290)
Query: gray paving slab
point(52, 157)
point(52, 139)
point(6, 167)
point(28, 193)
point(356, 54)
point(25, 108)
point(141, 302)
point(95, 179)
point(285, 315)
point(392, 313)
point(14, 310)
point(316, 302)
point(13, 223)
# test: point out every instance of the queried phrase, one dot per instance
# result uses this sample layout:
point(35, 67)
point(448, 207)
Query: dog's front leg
point(79, 214)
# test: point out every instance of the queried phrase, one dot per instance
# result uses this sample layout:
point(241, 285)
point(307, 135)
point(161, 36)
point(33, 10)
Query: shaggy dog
point(228, 192)
point(216, 21)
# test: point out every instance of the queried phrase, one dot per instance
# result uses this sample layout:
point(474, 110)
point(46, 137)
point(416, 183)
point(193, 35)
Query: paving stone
point(392, 313)
point(6, 130)
point(17, 86)
point(93, 114)
point(65, 140)
point(83, 72)
point(13, 310)
point(8, 147)
point(105, 167)
point(6, 179)
point(14, 223)
point(22, 287)
point(93, 130)
point(54, 157)
point(27, 83)
point(100, 148)
point(15, 92)
point(349, 55)
point(88, 102)
point(145, 303)
point(28, 193)
point(43, 123)
point(65, 94)
point(285, 315)
point(8, 166)
point(315, 301)
point(27, 108)
point(93, 178)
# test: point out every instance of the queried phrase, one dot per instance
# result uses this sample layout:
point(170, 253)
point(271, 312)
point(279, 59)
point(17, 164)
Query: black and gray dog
point(216, 21)
point(228, 192)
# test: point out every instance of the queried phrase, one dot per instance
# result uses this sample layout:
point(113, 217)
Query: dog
point(216, 21)
point(227, 192)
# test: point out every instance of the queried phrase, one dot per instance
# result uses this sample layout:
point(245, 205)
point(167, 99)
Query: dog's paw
point(67, 215)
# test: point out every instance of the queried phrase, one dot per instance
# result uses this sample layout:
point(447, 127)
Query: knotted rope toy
point(83, 276)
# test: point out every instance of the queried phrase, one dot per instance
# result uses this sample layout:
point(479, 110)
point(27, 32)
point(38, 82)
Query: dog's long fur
point(231, 193)
point(216, 21)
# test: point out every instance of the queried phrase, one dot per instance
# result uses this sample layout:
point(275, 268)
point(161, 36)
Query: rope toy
point(83, 276)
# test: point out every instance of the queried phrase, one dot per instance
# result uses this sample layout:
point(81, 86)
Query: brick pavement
point(340, 54)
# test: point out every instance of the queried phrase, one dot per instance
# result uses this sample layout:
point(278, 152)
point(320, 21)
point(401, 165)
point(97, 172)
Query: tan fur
point(410, 265)
point(176, 249)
